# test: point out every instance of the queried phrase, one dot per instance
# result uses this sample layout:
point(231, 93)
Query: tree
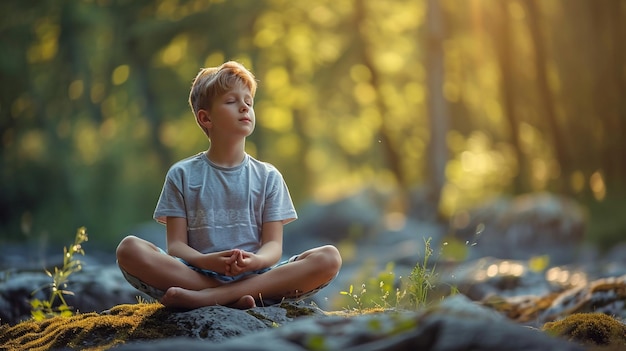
point(437, 106)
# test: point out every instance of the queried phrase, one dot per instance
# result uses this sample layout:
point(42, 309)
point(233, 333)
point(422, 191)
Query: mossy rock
point(145, 322)
point(589, 329)
point(93, 331)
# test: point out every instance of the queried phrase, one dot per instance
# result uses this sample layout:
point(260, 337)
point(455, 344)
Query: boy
point(224, 213)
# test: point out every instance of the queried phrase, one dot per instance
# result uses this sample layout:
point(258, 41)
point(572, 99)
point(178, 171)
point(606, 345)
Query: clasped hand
point(239, 262)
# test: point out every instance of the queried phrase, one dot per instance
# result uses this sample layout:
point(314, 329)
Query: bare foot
point(183, 298)
point(245, 302)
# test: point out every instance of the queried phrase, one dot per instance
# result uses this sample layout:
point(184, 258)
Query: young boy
point(224, 213)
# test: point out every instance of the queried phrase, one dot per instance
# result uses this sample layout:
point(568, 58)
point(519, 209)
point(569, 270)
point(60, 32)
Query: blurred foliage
point(93, 100)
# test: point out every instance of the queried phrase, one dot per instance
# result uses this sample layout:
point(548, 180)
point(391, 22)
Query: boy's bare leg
point(145, 261)
point(312, 269)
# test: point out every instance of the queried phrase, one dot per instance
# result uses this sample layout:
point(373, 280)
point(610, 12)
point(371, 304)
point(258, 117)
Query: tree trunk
point(545, 95)
point(392, 158)
point(615, 124)
point(504, 46)
point(139, 66)
point(438, 113)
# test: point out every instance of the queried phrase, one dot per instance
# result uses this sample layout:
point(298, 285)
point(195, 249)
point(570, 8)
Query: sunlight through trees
point(465, 100)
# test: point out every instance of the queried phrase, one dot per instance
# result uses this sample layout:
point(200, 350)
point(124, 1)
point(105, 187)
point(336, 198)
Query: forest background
point(462, 100)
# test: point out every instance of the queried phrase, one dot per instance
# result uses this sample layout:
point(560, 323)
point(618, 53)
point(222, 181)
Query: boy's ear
point(204, 118)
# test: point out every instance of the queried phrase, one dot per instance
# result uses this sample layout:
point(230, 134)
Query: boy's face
point(231, 114)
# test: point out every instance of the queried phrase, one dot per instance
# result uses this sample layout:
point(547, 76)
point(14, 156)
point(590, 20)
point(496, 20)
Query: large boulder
point(524, 226)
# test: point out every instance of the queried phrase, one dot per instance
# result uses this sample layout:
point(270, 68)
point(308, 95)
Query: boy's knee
point(331, 258)
point(127, 247)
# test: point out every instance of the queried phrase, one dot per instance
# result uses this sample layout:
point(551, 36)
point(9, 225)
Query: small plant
point(358, 299)
point(422, 279)
point(47, 308)
point(385, 291)
point(143, 300)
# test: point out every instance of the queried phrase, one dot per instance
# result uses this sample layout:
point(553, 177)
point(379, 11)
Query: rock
point(489, 276)
point(352, 217)
point(590, 329)
point(615, 260)
point(95, 289)
point(536, 297)
point(456, 325)
point(460, 305)
point(15, 293)
point(606, 295)
point(146, 323)
point(218, 323)
point(523, 227)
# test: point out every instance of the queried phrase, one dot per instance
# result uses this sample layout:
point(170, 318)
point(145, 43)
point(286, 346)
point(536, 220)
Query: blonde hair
point(212, 82)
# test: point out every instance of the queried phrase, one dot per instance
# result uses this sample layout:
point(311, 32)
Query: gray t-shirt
point(225, 207)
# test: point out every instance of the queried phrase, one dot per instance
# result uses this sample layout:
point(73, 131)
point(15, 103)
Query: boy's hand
point(240, 262)
point(215, 261)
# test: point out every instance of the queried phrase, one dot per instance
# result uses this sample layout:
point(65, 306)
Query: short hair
point(212, 82)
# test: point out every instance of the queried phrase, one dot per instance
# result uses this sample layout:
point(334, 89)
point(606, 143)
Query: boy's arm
point(269, 253)
point(178, 245)
point(271, 243)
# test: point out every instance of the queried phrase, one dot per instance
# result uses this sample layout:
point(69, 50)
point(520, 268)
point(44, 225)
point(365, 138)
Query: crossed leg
point(145, 261)
point(188, 289)
point(312, 269)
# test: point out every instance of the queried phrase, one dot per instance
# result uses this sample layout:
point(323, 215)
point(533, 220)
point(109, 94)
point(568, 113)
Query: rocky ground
point(527, 269)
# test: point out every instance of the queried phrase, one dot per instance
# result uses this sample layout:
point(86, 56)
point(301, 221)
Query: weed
point(143, 300)
point(422, 278)
point(385, 291)
point(357, 298)
point(47, 308)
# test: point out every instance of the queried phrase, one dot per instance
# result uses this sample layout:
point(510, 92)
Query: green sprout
point(384, 291)
point(48, 308)
point(357, 298)
point(422, 279)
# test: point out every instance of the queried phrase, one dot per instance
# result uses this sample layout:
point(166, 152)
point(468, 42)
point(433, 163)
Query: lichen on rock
point(589, 329)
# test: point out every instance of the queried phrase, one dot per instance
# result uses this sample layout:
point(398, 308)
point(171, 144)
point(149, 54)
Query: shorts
point(158, 294)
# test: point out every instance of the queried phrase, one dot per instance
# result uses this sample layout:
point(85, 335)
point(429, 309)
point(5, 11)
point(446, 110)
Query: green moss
point(295, 311)
point(262, 318)
point(590, 329)
point(90, 331)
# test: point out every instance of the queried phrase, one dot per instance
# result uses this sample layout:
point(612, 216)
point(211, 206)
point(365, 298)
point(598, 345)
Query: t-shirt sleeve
point(171, 201)
point(278, 203)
